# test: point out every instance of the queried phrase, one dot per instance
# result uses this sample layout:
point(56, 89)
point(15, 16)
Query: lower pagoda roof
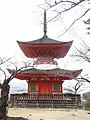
point(62, 74)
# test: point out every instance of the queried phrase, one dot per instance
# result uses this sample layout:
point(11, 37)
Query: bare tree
point(61, 7)
point(4, 87)
point(74, 88)
point(84, 53)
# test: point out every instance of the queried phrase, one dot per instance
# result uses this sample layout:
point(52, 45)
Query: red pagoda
point(45, 50)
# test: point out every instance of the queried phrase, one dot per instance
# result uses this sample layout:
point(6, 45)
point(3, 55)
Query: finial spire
point(45, 23)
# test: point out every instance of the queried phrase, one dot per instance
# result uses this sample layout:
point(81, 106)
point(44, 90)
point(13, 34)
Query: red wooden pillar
point(28, 86)
point(61, 86)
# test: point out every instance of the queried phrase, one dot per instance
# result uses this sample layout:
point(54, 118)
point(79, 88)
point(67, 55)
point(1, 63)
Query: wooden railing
point(44, 100)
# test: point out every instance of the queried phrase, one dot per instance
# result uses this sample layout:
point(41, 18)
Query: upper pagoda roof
point(44, 40)
point(33, 72)
point(45, 47)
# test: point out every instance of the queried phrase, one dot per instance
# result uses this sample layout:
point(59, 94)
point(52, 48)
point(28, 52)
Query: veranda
point(45, 100)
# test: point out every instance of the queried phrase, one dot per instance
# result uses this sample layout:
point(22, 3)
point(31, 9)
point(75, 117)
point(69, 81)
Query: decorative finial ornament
point(45, 23)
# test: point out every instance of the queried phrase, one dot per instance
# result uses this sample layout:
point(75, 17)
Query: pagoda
point(45, 50)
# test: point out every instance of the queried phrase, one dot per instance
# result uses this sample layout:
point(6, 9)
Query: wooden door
point(45, 88)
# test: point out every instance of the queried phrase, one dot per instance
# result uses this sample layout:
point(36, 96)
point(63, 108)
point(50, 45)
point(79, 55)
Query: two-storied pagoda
point(45, 50)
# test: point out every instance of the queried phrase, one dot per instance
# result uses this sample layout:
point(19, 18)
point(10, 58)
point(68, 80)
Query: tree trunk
point(4, 100)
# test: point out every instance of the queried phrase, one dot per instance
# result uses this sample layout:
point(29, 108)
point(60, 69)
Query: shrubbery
point(86, 103)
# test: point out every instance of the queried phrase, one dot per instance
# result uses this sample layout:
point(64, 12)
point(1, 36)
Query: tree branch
point(4, 60)
point(74, 22)
point(82, 78)
point(83, 55)
point(73, 4)
point(3, 73)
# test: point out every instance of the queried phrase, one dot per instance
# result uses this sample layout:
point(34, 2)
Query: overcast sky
point(22, 20)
